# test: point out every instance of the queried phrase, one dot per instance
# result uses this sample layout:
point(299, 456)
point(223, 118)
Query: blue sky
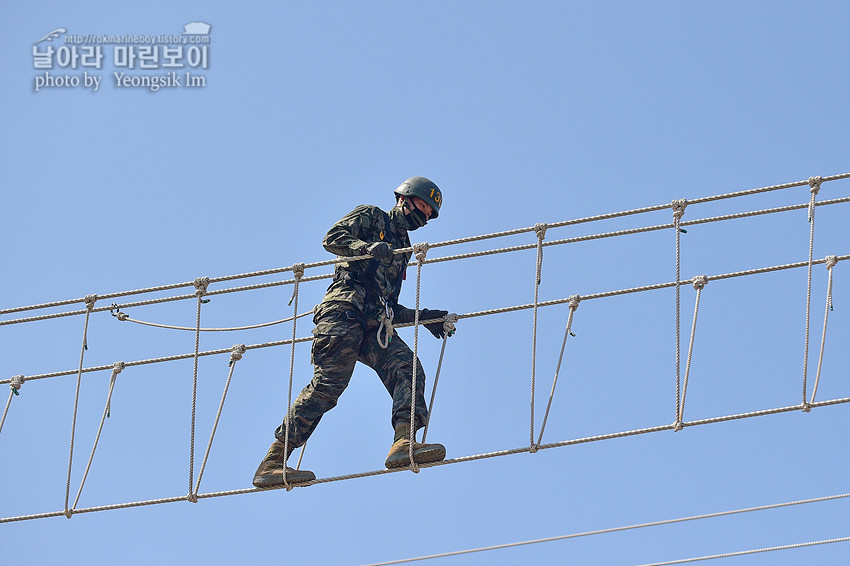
point(522, 113)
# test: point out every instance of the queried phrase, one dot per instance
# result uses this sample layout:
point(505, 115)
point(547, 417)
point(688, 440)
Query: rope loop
point(90, 301)
point(298, 270)
point(201, 284)
point(814, 184)
point(420, 249)
point(385, 326)
point(831, 260)
point(236, 352)
point(700, 281)
point(679, 206)
point(540, 230)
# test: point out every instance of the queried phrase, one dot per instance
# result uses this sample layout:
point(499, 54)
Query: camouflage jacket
point(363, 283)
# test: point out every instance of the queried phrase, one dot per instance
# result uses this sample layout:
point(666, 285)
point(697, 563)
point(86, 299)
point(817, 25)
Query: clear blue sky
point(522, 113)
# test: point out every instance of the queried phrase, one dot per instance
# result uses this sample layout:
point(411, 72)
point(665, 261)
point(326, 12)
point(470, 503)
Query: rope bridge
point(200, 291)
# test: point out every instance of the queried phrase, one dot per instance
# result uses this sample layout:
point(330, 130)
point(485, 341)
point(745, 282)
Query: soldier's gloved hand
point(380, 250)
point(435, 328)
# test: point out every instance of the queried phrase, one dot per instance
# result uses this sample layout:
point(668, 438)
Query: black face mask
point(415, 217)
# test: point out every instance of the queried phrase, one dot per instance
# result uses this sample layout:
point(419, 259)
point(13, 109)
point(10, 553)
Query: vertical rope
point(89, 300)
point(540, 230)
point(830, 263)
point(448, 329)
point(117, 367)
point(574, 300)
point(200, 290)
point(814, 187)
point(235, 355)
point(420, 250)
point(678, 212)
point(15, 387)
point(700, 282)
point(298, 271)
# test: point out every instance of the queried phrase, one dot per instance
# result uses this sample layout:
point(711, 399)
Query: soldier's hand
point(435, 328)
point(380, 250)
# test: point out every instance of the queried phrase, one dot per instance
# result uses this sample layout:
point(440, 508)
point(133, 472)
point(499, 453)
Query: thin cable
point(123, 317)
point(619, 529)
point(89, 300)
point(574, 300)
point(830, 263)
point(116, 369)
point(755, 551)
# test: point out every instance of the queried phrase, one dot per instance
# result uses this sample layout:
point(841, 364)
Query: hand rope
point(15, 386)
point(448, 330)
point(117, 368)
point(540, 230)
point(678, 211)
point(574, 301)
point(235, 355)
point(124, 317)
point(298, 271)
point(831, 260)
point(89, 301)
point(700, 281)
point(814, 187)
point(420, 250)
point(201, 284)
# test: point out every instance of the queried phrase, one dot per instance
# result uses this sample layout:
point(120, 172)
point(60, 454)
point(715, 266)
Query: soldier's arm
point(343, 238)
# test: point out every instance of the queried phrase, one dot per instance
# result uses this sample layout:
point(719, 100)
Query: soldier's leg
point(394, 365)
point(334, 355)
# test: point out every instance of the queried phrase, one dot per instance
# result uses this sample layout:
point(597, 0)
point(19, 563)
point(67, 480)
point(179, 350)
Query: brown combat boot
point(399, 454)
point(270, 472)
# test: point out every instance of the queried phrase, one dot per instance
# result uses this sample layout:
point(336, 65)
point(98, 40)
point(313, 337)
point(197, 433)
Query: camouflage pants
point(341, 340)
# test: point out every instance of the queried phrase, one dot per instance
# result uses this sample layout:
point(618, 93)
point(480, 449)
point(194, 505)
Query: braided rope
point(299, 273)
point(540, 230)
point(117, 367)
point(235, 355)
point(830, 263)
point(419, 249)
point(814, 187)
point(89, 301)
point(448, 329)
point(574, 301)
point(678, 211)
point(201, 284)
point(700, 281)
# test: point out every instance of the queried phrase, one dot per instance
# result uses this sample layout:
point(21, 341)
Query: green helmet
point(425, 189)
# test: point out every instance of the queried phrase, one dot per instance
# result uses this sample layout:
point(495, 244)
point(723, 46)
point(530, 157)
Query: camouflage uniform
point(346, 324)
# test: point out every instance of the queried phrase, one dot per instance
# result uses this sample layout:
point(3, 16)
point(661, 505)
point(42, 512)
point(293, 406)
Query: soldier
point(348, 325)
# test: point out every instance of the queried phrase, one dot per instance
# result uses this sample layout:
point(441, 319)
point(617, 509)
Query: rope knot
point(678, 207)
point(236, 352)
point(201, 286)
point(540, 230)
point(17, 383)
point(90, 301)
point(814, 184)
point(700, 281)
point(122, 316)
point(117, 368)
point(831, 260)
point(298, 270)
point(677, 426)
point(449, 324)
point(420, 249)
point(574, 301)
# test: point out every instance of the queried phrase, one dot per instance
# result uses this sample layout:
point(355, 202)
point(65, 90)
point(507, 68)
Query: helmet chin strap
point(415, 217)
